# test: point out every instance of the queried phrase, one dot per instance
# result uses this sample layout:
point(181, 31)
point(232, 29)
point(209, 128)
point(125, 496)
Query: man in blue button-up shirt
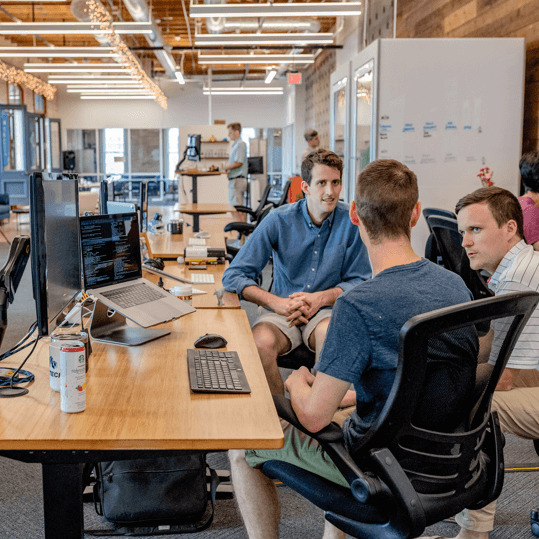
point(317, 254)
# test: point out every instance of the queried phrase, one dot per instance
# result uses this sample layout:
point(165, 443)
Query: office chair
point(402, 477)
point(432, 252)
point(255, 214)
point(454, 258)
point(244, 229)
point(284, 196)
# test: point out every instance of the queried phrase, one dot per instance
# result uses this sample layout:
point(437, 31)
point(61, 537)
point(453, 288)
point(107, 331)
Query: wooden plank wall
point(483, 18)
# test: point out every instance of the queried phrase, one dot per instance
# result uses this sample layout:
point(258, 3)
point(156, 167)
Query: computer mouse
point(211, 340)
point(202, 234)
point(156, 263)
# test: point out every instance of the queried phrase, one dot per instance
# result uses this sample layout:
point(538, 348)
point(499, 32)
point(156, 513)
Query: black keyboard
point(216, 371)
point(131, 296)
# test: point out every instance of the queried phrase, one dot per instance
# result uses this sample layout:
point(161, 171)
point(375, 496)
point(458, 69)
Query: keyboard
point(202, 278)
point(131, 296)
point(216, 371)
point(197, 241)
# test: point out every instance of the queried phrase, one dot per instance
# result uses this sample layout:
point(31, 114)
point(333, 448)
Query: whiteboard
point(447, 108)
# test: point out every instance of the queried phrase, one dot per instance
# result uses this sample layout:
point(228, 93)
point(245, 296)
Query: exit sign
point(294, 78)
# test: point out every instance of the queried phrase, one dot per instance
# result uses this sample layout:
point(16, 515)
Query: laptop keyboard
point(131, 296)
point(216, 371)
point(202, 278)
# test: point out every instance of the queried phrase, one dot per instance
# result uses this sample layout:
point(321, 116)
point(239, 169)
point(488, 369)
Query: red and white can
point(72, 377)
point(57, 341)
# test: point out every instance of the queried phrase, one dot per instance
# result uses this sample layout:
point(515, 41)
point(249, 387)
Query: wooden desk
point(200, 301)
point(203, 209)
point(139, 400)
point(194, 178)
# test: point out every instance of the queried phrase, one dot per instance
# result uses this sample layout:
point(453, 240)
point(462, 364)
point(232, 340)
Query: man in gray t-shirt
point(237, 170)
point(361, 347)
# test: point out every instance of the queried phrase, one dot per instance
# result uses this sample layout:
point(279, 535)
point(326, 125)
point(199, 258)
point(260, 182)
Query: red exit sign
point(294, 78)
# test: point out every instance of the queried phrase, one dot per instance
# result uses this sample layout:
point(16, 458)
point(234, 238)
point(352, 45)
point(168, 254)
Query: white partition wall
point(446, 108)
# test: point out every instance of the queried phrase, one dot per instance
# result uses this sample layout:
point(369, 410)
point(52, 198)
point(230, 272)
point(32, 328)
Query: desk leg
point(195, 189)
point(62, 501)
point(196, 222)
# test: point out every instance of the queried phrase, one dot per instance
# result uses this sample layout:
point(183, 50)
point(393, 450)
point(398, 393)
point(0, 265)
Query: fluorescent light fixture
point(179, 76)
point(117, 97)
point(108, 92)
point(271, 90)
point(239, 91)
point(49, 28)
point(77, 68)
point(262, 39)
point(57, 52)
point(256, 59)
point(119, 89)
point(73, 79)
point(310, 9)
point(270, 76)
point(73, 65)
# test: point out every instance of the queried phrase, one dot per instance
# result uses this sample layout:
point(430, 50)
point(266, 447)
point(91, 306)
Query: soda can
point(57, 341)
point(79, 336)
point(72, 378)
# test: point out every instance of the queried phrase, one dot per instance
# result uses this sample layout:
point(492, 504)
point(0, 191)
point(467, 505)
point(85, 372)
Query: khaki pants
point(518, 411)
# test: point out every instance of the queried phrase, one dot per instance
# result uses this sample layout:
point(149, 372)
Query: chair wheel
point(534, 520)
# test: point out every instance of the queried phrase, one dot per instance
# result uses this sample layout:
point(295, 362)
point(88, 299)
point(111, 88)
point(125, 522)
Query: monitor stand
point(114, 329)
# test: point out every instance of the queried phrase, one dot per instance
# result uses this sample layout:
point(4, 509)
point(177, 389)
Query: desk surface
point(202, 173)
point(205, 208)
point(200, 301)
point(139, 397)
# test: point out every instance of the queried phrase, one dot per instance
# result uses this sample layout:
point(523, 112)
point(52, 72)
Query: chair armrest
point(245, 209)
point(4, 199)
point(242, 228)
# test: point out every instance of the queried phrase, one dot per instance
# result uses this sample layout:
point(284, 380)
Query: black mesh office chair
point(431, 249)
point(284, 196)
point(403, 478)
point(449, 245)
point(255, 214)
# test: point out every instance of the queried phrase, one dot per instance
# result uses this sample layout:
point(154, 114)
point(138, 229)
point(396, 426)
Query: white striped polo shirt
point(518, 272)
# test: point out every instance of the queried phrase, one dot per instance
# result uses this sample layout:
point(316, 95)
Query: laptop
point(111, 267)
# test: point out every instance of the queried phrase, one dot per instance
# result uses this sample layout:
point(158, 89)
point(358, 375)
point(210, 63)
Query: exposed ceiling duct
point(140, 13)
point(220, 25)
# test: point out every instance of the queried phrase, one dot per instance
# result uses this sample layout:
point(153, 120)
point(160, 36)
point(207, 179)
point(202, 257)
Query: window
point(14, 94)
point(39, 103)
point(172, 150)
point(114, 150)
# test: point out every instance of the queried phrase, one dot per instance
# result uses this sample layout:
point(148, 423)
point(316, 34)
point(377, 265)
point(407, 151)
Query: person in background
point(313, 143)
point(529, 174)
point(236, 170)
point(362, 348)
point(491, 223)
point(317, 254)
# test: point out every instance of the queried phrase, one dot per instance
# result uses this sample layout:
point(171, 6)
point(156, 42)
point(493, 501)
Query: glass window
point(114, 148)
point(13, 144)
point(54, 153)
point(83, 142)
point(35, 141)
point(172, 150)
point(39, 103)
point(364, 110)
point(144, 150)
point(15, 94)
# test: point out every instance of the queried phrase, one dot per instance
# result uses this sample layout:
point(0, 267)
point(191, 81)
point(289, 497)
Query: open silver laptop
point(112, 271)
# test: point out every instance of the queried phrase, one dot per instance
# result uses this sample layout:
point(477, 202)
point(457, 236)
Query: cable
point(27, 373)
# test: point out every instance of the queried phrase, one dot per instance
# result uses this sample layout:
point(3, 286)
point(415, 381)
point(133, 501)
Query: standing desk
point(139, 405)
point(194, 180)
point(196, 210)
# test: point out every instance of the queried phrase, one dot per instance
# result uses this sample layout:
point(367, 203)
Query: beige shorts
point(295, 334)
point(236, 190)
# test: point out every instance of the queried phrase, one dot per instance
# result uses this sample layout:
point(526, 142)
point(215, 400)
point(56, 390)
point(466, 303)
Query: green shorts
point(302, 451)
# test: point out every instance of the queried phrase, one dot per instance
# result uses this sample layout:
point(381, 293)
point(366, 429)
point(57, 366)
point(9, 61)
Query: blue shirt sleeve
point(251, 258)
point(357, 265)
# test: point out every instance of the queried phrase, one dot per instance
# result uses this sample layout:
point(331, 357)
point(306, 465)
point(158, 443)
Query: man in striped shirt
point(491, 223)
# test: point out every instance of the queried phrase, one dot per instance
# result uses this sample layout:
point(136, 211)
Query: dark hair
point(235, 126)
point(529, 171)
point(503, 205)
point(386, 193)
point(319, 157)
point(310, 134)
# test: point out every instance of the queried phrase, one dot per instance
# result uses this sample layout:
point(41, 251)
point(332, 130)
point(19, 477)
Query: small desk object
point(139, 405)
point(196, 210)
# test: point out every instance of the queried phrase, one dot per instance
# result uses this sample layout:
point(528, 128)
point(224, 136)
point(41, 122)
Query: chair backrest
point(263, 202)
point(427, 212)
point(449, 470)
point(454, 257)
point(284, 197)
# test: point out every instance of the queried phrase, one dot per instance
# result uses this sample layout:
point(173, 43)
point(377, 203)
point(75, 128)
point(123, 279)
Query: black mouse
point(211, 340)
point(156, 263)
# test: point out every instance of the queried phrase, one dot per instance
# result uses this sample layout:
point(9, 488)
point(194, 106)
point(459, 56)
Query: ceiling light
point(256, 59)
point(76, 68)
point(117, 97)
point(179, 76)
point(274, 89)
point(309, 9)
point(242, 91)
point(104, 87)
point(49, 28)
point(57, 52)
point(142, 91)
point(262, 39)
point(74, 79)
point(270, 76)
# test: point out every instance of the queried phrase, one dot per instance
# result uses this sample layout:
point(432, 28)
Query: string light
point(99, 15)
point(16, 76)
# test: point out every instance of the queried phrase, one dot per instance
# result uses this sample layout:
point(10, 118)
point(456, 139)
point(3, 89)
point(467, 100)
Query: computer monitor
point(193, 147)
point(121, 207)
point(103, 196)
point(255, 165)
point(143, 207)
point(55, 248)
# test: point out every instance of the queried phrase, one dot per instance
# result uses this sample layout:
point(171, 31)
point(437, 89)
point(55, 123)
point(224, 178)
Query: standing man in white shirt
point(491, 223)
point(237, 170)
point(313, 143)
